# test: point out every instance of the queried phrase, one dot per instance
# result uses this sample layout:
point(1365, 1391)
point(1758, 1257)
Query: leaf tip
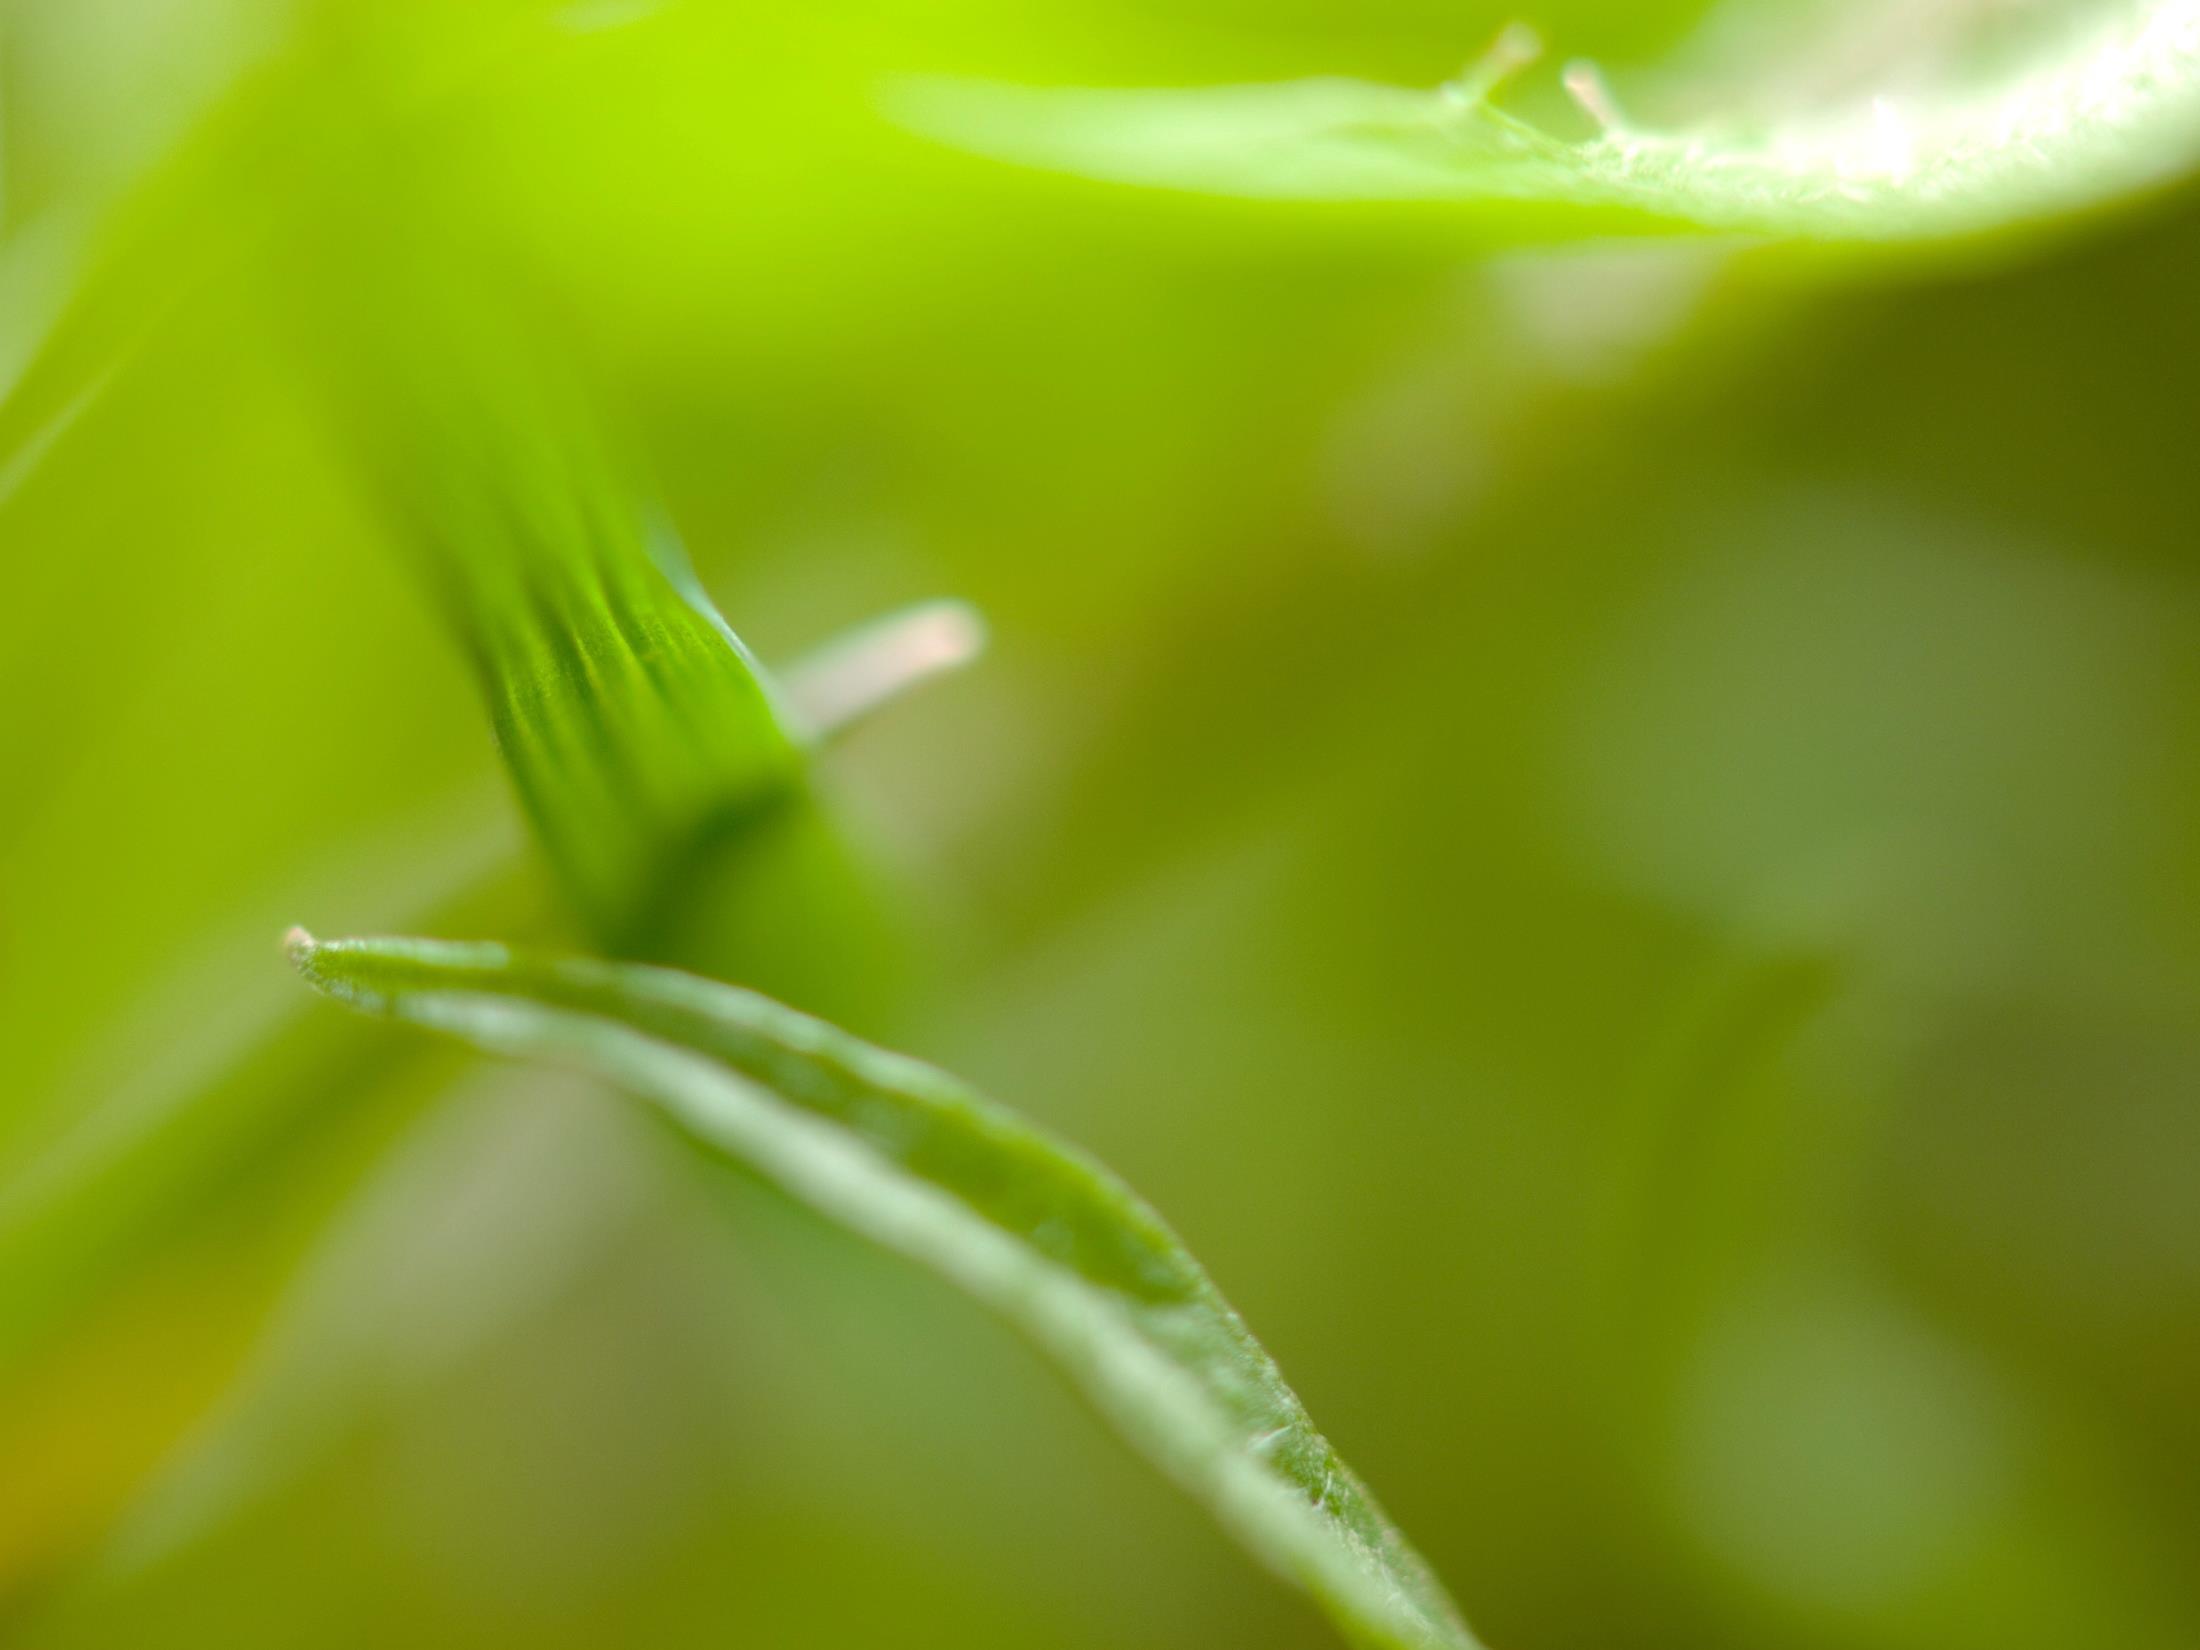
point(300, 946)
point(849, 679)
point(1592, 94)
point(1518, 47)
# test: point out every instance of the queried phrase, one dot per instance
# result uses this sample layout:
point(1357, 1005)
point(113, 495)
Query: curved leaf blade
point(906, 1157)
point(2109, 114)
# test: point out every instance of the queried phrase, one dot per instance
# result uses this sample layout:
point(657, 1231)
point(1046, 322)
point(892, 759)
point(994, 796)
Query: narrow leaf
point(637, 729)
point(2108, 113)
point(908, 1158)
point(854, 677)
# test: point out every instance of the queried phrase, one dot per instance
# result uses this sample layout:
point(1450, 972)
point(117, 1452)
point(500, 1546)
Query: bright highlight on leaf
point(2112, 112)
point(908, 1158)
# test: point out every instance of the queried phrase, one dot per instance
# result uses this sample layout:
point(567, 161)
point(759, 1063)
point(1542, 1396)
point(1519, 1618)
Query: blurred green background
point(1612, 832)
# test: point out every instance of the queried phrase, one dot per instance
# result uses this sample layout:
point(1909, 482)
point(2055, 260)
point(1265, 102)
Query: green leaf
point(637, 729)
point(2108, 113)
point(908, 1158)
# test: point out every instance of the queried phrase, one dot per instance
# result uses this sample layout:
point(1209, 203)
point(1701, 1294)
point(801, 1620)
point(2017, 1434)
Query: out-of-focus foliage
point(2091, 114)
point(1610, 831)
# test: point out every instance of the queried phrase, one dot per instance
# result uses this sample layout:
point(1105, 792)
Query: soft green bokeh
point(1612, 834)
